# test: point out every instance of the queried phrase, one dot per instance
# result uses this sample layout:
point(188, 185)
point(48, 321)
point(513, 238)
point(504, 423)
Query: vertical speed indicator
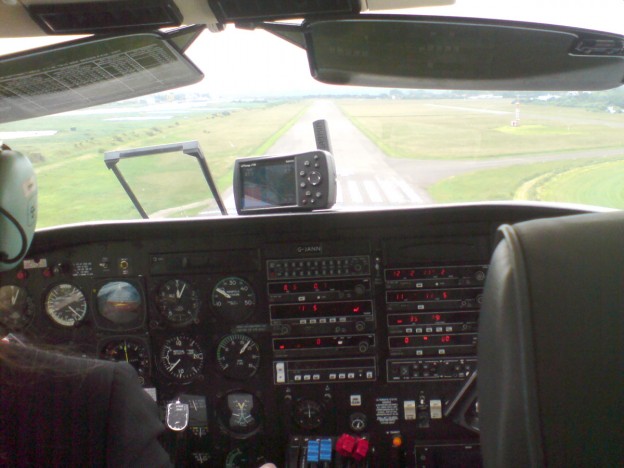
point(181, 358)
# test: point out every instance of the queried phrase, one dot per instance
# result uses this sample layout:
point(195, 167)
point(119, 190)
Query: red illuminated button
point(345, 445)
point(361, 450)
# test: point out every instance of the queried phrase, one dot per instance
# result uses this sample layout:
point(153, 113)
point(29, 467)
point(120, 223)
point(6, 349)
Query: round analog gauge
point(237, 458)
point(308, 414)
point(240, 413)
point(181, 358)
point(177, 301)
point(120, 302)
point(66, 305)
point(16, 307)
point(238, 356)
point(132, 351)
point(234, 299)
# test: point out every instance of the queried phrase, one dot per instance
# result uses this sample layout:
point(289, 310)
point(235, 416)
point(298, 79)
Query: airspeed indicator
point(234, 299)
point(66, 305)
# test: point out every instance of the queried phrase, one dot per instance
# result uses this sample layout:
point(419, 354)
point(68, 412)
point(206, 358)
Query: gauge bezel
point(303, 424)
point(52, 316)
point(234, 314)
point(223, 411)
point(192, 314)
point(26, 315)
point(198, 374)
point(147, 373)
point(236, 375)
point(105, 323)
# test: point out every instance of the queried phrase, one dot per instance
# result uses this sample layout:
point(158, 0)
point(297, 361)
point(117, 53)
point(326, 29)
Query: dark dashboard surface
point(327, 339)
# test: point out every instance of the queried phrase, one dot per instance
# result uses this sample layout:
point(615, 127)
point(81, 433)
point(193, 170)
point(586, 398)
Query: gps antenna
point(321, 135)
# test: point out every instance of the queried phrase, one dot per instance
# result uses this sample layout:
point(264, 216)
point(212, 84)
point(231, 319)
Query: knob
point(359, 289)
point(360, 326)
point(357, 422)
point(363, 346)
point(314, 178)
point(479, 275)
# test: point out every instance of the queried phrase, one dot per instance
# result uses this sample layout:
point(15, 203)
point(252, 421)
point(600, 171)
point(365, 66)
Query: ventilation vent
point(230, 11)
point(106, 16)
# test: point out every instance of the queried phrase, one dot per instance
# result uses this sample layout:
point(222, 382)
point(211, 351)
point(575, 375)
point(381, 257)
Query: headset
point(18, 207)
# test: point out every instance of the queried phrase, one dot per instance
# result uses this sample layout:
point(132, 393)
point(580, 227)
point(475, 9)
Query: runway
point(365, 177)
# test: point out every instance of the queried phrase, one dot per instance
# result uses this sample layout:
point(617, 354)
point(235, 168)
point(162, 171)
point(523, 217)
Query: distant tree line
point(610, 101)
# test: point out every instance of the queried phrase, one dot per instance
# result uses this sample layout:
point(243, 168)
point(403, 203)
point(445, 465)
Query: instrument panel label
point(387, 410)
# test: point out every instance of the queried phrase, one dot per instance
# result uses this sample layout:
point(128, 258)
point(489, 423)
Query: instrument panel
point(326, 339)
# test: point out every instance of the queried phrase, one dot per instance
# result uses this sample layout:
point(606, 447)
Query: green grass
point(76, 186)
point(597, 182)
point(600, 184)
point(460, 129)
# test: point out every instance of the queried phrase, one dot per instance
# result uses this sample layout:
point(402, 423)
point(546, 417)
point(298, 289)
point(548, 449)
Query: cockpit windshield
point(392, 147)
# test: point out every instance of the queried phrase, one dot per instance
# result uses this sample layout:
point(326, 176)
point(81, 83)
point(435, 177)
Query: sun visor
point(104, 16)
point(93, 71)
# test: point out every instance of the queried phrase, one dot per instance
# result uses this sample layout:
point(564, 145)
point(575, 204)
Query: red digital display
point(430, 318)
point(321, 309)
point(426, 341)
point(283, 344)
point(423, 295)
point(430, 295)
point(300, 287)
point(421, 273)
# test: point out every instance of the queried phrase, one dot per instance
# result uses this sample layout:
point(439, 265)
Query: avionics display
point(437, 318)
point(433, 295)
point(297, 182)
point(298, 287)
point(430, 277)
point(427, 341)
point(433, 310)
point(341, 342)
point(269, 184)
point(436, 272)
point(322, 309)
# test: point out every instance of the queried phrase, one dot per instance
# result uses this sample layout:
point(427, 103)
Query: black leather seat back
point(551, 344)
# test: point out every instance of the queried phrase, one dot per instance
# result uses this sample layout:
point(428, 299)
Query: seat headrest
point(551, 344)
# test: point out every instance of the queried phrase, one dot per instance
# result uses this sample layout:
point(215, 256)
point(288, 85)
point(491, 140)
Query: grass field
point(76, 186)
point(590, 181)
point(477, 129)
point(466, 130)
point(73, 159)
